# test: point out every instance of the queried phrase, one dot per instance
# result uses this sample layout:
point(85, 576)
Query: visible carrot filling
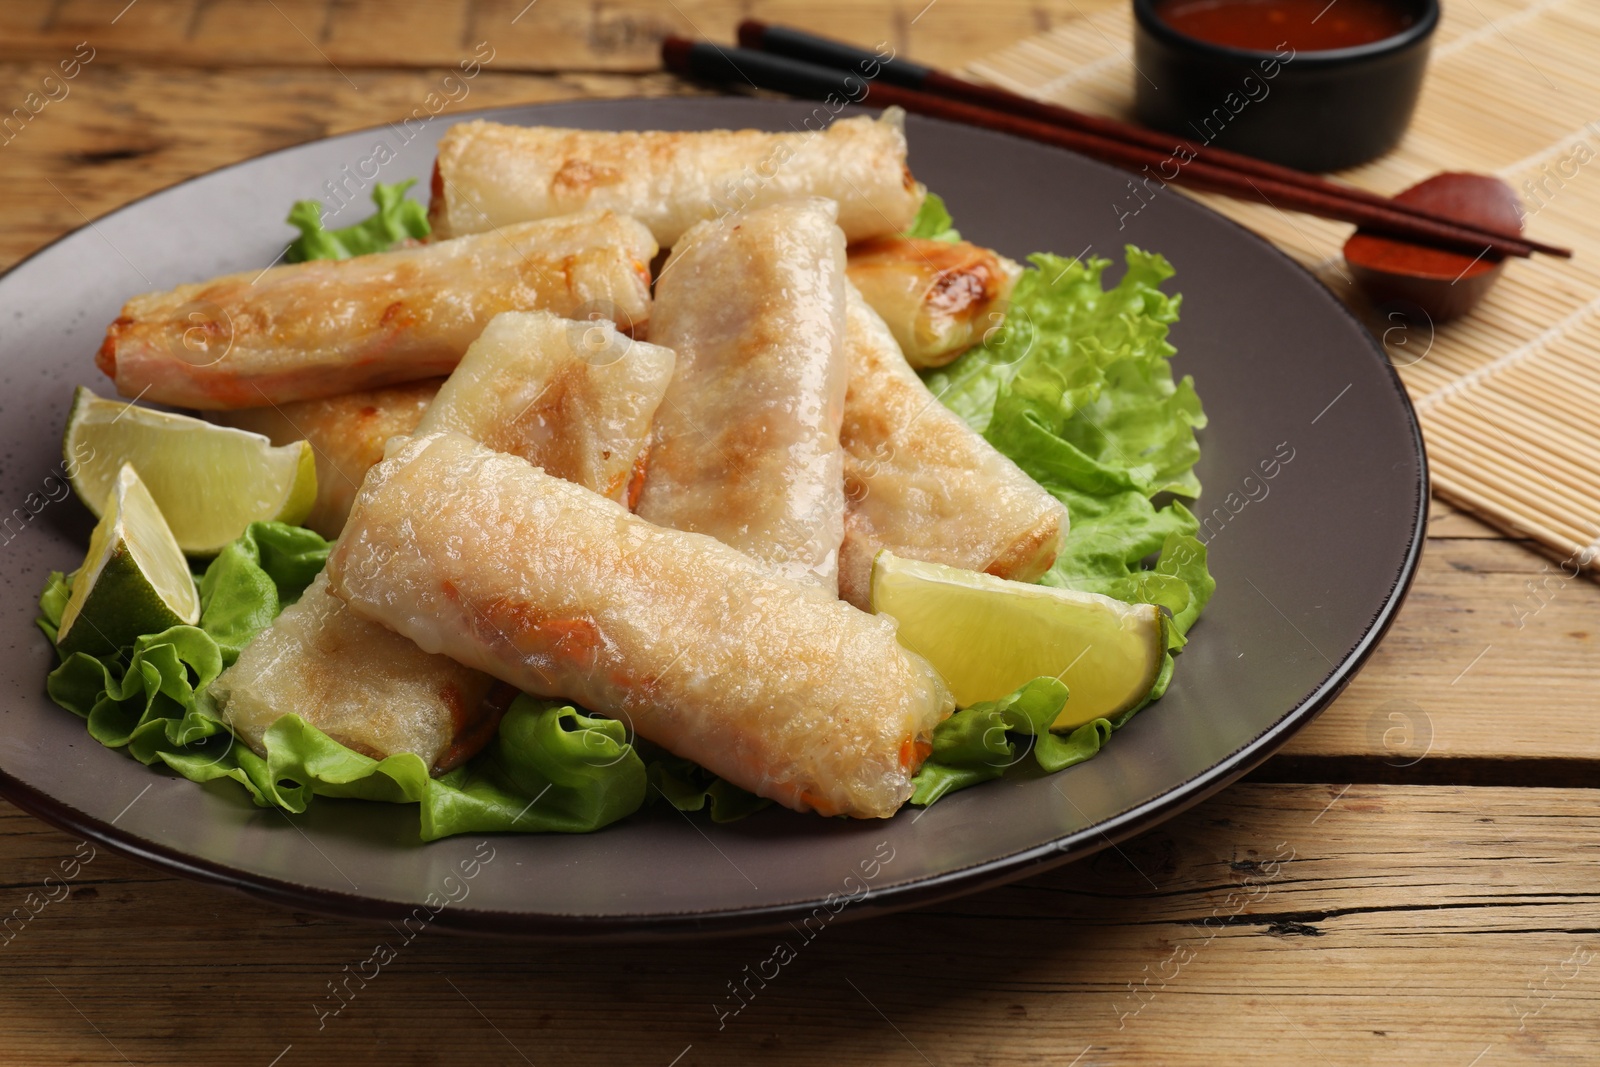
point(395, 315)
point(578, 635)
point(913, 752)
point(574, 640)
point(636, 479)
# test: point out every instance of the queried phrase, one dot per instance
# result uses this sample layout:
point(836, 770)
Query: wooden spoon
point(1444, 284)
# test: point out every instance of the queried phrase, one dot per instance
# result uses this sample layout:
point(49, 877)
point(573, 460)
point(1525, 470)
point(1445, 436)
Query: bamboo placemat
point(1510, 395)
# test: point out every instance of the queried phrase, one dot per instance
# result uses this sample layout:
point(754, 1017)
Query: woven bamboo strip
point(1465, 483)
point(1568, 369)
point(1464, 491)
point(1574, 435)
point(1547, 483)
point(1559, 533)
point(1538, 390)
point(1500, 16)
point(1510, 396)
point(1544, 482)
point(1561, 378)
point(1530, 350)
point(1509, 498)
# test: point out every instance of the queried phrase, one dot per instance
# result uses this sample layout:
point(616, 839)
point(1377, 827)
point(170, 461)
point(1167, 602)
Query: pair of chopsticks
point(801, 64)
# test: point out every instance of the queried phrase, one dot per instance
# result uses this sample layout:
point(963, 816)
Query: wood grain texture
point(546, 35)
point(1489, 626)
point(1277, 924)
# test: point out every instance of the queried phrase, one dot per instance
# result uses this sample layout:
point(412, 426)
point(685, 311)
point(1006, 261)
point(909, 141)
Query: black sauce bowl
point(1315, 111)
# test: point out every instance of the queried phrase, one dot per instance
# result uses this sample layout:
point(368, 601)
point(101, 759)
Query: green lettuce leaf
point(396, 220)
point(255, 577)
point(980, 743)
point(549, 768)
point(53, 603)
point(688, 786)
point(933, 221)
point(1096, 378)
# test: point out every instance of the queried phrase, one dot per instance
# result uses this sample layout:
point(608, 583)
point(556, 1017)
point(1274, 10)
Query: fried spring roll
point(922, 484)
point(773, 684)
point(489, 175)
point(358, 682)
point(938, 297)
point(346, 433)
point(746, 444)
point(559, 393)
point(327, 327)
point(575, 398)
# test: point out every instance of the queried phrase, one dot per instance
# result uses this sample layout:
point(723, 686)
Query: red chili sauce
point(1264, 25)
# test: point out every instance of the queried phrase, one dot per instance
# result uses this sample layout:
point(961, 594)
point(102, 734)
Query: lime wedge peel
point(209, 481)
point(988, 636)
point(135, 579)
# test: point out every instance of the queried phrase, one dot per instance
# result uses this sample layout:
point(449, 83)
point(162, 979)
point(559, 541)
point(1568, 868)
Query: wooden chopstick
point(804, 47)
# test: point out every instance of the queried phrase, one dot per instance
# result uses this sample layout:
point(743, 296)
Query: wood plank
point(1273, 924)
point(1492, 657)
point(546, 35)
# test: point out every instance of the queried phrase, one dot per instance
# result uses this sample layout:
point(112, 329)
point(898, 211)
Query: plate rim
point(675, 925)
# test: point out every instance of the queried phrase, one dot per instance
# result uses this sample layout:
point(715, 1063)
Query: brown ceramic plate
point(1310, 566)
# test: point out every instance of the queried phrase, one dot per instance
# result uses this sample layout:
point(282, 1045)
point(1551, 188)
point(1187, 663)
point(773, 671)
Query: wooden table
point(1412, 881)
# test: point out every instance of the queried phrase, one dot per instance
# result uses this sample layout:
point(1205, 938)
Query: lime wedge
point(134, 580)
point(987, 636)
point(209, 481)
